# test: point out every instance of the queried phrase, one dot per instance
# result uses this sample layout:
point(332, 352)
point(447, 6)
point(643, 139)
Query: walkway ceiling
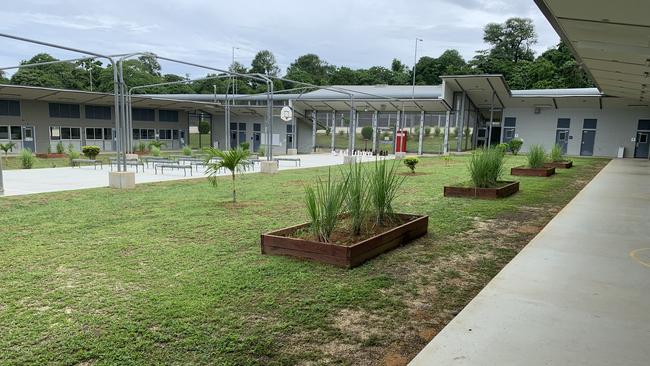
point(611, 39)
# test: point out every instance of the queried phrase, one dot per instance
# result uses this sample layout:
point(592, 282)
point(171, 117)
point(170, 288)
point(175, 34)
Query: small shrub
point(447, 159)
point(427, 131)
point(142, 147)
point(515, 145)
point(156, 143)
point(411, 162)
point(503, 147)
point(366, 132)
point(27, 159)
point(187, 151)
point(384, 184)
point(155, 151)
point(536, 156)
point(486, 167)
point(70, 147)
point(49, 149)
point(341, 133)
point(90, 152)
point(60, 149)
point(436, 131)
point(245, 145)
point(324, 203)
point(557, 154)
point(72, 154)
point(261, 151)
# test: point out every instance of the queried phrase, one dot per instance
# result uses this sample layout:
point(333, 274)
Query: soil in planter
point(342, 234)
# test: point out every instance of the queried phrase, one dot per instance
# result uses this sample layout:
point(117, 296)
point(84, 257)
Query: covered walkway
point(578, 294)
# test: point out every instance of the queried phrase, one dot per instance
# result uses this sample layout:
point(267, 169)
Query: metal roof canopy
point(610, 39)
point(371, 105)
point(479, 88)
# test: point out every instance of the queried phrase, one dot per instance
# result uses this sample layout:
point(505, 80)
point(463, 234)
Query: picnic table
point(78, 162)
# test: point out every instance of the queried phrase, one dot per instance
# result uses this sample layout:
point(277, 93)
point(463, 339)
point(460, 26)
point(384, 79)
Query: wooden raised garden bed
point(560, 164)
point(532, 172)
point(505, 189)
point(281, 242)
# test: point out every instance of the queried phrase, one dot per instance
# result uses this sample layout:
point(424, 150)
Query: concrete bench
point(295, 160)
point(78, 162)
point(134, 163)
point(172, 166)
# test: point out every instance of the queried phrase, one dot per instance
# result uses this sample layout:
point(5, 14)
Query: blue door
point(562, 139)
point(642, 145)
point(588, 139)
point(28, 138)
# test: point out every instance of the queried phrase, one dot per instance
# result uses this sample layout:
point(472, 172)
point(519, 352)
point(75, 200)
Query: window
point(75, 133)
point(9, 108)
point(289, 128)
point(143, 114)
point(257, 127)
point(242, 127)
point(108, 134)
point(643, 138)
point(16, 133)
point(55, 133)
point(167, 116)
point(175, 134)
point(165, 134)
point(510, 133)
point(62, 110)
point(233, 126)
point(509, 122)
point(136, 134)
point(67, 133)
point(144, 134)
point(94, 133)
point(644, 124)
point(4, 132)
point(151, 134)
point(590, 123)
point(98, 112)
point(563, 123)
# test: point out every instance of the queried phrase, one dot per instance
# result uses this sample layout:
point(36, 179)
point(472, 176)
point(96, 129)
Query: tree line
point(510, 53)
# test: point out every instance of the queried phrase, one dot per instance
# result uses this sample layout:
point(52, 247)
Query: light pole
point(415, 62)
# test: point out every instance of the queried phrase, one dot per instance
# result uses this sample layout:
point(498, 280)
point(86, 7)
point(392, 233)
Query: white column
point(333, 129)
point(313, 131)
point(445, 144)
point(421, 137)
point(375, 117)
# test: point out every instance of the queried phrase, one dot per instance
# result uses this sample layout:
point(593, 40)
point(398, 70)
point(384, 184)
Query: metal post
point(333, 131)
point(415, 62)
point(445, 144)
point(421, 137)
point(352, 130)
point(2, 186)
point(489, 139)
point(313, 130)
point(459, 135)
point(397, 127)
point(375, 117)
point(269, 102)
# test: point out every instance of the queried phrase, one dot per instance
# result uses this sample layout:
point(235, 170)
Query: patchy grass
point(170, 273)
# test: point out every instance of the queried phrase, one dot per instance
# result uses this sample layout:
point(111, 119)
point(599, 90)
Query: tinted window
point(151, 134)
point(16, 133)
point(233, 126)
point(143, 114)
point(108, 134)
point(9, 108)
point(242, 127)
point(4, 133)
point(257, 127)
point(289, 128)
point(136, 134)
point(510, 122)
point(90, 133)
point(563, 122)
point(590, 123)
point(644, 124)
point(167, 116)
point(98, 112)
point(62, 110)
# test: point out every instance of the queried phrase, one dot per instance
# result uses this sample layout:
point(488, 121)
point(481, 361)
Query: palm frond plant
point(235, 160)
point(357, 198)
point(486, 167)
point(536, 156)
point(7, 147)
point(324, 204)
point(384, 184)
point(557, 154)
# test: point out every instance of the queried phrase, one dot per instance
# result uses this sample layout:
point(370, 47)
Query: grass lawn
point(170, 273)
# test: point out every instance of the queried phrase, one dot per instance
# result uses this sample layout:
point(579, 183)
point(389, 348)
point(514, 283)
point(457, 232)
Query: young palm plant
point(357, 200)
point(7, 147)
point(324, 205)
point(384, 184)
point(234, 160)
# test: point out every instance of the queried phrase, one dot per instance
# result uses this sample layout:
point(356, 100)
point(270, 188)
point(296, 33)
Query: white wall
point(616, 127)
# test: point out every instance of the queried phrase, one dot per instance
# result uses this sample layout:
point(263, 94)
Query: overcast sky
point(355, 33)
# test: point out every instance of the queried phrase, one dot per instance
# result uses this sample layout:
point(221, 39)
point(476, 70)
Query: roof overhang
point(372, 105)
point(480, 89)
point(610, 39)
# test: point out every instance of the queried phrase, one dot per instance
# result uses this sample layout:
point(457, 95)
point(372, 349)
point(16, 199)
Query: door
point(28, 138)
point(242, 137)
point(642, 146)
point(257, 136)
point(562, 139)
point(588, 139)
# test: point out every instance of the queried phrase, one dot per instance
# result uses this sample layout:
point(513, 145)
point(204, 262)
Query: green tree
point(92, 68)
point(60, 75)
point(310, 68)
point(265, 63)
point(511, 40)
point(429, 69)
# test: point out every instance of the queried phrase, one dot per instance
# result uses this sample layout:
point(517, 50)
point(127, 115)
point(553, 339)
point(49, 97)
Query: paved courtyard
point(30, 181)
point(578, 294)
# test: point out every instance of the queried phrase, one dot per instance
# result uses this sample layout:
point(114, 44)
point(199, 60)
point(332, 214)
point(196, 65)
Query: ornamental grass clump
point(384, 184)
point(486, 167)
point(557, 155)
point(357, 199)
point(324, 204)
point(536, 157)
point(27, 158)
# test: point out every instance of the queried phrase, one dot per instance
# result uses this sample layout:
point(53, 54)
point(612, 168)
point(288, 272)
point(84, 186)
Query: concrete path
point(578, 294)
point(30, 181)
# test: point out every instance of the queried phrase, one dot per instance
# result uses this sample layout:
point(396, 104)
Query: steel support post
point(421, 134)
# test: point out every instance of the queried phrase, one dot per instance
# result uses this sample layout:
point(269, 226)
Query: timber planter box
point(51, 156)
point(560, 164)
point(532, 172)
point(507, 188)
point(279, 242)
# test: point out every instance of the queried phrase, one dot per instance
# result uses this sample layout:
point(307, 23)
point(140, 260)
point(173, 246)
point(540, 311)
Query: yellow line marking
point(634, 255)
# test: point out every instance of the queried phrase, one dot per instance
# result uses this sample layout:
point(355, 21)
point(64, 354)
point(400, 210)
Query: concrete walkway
point(578, 294)
point(31, 181)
